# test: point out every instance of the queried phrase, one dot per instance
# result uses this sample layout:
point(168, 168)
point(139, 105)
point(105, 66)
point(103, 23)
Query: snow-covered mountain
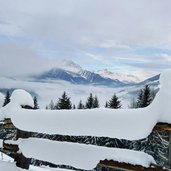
point(61, 74)
point(73, 73)
point(81, 77)
point(126, 78)
point(69, 71)
point(77, 82)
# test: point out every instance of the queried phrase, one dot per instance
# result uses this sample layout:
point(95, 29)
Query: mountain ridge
point(71, 72)
point(81, 77)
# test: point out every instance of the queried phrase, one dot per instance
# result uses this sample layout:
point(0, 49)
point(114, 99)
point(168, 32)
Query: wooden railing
point(23, 162)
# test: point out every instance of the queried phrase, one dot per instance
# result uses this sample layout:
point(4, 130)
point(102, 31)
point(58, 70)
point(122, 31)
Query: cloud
point(17, 59)
point(106, 33)
point(20, 60)
point(86, 22)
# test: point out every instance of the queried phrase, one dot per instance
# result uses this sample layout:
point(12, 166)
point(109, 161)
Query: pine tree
point(146, 96)
point(140, 99)
point(7, 98)
point(90, 101)
point(153, 94)
point(95, 102)
point(36, 106)
point(114, 102)
point(80, 105)
point(64, 102)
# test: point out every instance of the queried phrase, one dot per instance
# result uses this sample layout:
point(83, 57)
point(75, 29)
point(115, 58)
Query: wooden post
point(169, 150)
point(21, 161)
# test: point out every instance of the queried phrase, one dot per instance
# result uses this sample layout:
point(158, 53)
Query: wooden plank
point(127, 167)
point(10, 147)
point(162, 127)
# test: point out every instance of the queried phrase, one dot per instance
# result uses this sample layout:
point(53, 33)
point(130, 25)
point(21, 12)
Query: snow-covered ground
point(10, 166)
point(7, 164)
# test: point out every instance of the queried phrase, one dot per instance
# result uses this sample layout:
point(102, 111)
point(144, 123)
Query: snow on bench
point(80, 155)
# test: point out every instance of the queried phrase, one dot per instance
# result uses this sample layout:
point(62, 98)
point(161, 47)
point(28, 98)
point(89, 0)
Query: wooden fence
point(23, 162)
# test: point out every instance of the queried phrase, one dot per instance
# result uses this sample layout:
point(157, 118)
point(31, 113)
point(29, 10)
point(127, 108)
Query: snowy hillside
point(126, 78)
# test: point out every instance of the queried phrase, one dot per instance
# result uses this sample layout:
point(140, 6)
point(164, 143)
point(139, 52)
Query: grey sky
point(127, 36)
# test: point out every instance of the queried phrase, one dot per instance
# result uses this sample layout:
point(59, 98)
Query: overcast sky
point(132, 36)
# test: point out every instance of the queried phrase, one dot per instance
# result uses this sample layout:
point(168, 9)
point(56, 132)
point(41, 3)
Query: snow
point(69, 66)
point(80, 155)
point(1, 99)
point(10, 166)
point(1, 143)
point(21, 97)
point(127, 78)
point(11, 142)
point(162, 103)
point(130, 124)
point(122, 124)
point(7, 166)
point(18, 97)
point(6, 158)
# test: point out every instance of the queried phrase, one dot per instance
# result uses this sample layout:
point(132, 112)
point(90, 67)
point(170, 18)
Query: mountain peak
point(127, 78)
point(69, 66)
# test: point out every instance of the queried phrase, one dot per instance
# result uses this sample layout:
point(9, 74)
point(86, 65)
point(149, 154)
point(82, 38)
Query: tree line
point(92, 102)
point(145, 97)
